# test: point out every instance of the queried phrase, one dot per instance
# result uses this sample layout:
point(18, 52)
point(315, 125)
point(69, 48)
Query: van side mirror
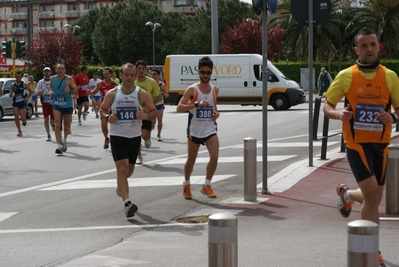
point(272, 78)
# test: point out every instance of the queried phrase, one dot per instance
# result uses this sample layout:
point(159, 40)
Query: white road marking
point(90, 228)
point(38, 187)
point(290, 144)
point(136, 182)
point(6, 215)
point(228, 159)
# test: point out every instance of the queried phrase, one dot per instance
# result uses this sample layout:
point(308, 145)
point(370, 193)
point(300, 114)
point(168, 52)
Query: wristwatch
point(395, 117)
point(196, 104)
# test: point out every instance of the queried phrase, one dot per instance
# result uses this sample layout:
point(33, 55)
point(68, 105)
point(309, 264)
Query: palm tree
point(327, 35)
point(383, 17)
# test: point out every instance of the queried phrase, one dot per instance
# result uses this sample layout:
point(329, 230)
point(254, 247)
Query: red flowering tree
point(52, 47)
point(246, 37)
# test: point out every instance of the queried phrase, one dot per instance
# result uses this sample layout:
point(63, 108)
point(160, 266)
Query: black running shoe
point(58, 151)
point(130, 209)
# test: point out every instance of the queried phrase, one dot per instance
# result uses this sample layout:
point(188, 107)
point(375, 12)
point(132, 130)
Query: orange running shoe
point(380, 261)
point(186, 191)
point(207, 190)
point(344, 207)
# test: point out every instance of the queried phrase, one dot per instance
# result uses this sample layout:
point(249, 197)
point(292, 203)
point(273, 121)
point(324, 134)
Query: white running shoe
point(147, 143)
point(139, 160)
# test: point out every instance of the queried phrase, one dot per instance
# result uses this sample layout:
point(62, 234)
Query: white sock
point(187, 182)
point(346, 196)
point(207, 182)
point(124, 202)
point(59, 146)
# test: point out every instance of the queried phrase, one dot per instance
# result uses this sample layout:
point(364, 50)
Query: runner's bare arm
point(106, 106)
point(183, 103)
point(151, 111)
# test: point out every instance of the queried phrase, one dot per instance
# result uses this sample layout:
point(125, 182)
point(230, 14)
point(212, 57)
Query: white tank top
point(125, 107)
point(200, 124)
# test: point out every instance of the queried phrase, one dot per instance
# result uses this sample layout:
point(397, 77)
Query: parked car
point(6, 100)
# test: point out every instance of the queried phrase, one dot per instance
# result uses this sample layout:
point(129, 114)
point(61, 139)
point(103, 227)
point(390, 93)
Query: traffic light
point(20, 49)
point(6, 49)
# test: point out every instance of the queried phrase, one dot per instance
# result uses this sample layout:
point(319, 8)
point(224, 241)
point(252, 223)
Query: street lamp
point(153, 28)
point(68, 26)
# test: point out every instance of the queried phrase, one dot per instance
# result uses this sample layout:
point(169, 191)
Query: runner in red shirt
point(82, 83)
point(104, 86)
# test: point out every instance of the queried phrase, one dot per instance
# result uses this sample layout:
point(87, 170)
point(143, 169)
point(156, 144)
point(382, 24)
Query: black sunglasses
point(205, 72)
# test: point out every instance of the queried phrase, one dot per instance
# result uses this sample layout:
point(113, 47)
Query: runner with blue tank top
point(20, 93)
point(62, 87)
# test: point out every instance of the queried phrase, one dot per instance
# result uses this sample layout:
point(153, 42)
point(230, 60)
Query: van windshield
point(258, 73)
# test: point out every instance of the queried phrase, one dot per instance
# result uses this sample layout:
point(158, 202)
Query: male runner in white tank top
point(129, 105)
point(200, 100)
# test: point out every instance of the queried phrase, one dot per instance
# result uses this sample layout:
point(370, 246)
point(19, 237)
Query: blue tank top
point(60, 98)
point(19, 92)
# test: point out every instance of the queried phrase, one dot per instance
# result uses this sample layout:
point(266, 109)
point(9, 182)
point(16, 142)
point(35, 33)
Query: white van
point(238, 77)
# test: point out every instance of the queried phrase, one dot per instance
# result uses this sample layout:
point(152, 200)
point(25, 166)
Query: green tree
point(104, 37)
point(135, 42)
point(198, 37)
point(87, 25)
point(57, 47)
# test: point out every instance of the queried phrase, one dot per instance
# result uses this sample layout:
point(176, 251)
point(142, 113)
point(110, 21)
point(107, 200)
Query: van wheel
point(1, 114)
point(29, 111)
point(279, 102)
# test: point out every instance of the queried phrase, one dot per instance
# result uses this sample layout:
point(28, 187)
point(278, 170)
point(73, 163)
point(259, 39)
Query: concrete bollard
point(392, 181)
point(250, 169)
point(222, 238)
point(362, 244)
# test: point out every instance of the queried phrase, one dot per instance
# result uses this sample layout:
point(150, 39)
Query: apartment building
point(59, 14)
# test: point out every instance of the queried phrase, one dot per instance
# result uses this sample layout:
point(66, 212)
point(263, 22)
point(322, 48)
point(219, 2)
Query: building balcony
point(72, 13)
point(45, 14)
point(186, 8)
point(84, 11)
point(19, 15)
point(19, 30)
point(50, 29)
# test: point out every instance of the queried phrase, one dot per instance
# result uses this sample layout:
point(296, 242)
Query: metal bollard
point(392, 181)
point(362, 244)
point(222, 238)
point(250, 169)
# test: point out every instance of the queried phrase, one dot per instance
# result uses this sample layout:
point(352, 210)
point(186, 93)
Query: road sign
point(300, 11)
point(273, 6)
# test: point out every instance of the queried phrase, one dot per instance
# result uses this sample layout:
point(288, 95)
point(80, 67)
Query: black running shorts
point(125, 148)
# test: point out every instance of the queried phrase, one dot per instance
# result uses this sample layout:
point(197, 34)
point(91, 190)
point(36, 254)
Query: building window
point(180, 2)
point(163, 3)
point(199, 3)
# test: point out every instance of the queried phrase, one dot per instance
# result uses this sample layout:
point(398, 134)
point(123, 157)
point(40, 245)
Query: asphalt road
point(56, 208)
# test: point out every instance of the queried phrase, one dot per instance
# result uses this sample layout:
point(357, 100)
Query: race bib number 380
point(366, 117)
point(204, 113)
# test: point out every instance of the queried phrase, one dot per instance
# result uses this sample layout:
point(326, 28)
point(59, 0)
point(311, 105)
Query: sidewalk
point(295, 227)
